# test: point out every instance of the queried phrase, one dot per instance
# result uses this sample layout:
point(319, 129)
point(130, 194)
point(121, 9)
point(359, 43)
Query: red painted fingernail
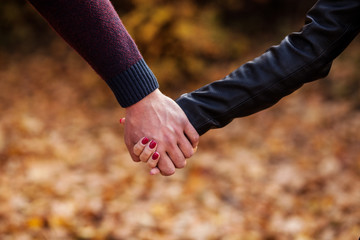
point(152, 145)
point(145, 140)
point(155, 156)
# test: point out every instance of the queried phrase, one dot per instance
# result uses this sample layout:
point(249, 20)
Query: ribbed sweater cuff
point(134, 84)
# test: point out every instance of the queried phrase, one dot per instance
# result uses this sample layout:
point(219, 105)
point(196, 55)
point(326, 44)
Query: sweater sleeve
point(95, 31)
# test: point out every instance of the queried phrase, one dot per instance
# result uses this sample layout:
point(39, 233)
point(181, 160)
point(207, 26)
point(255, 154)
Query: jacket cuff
point(133, 84)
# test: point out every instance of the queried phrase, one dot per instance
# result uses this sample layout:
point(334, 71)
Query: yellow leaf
point(35, 222)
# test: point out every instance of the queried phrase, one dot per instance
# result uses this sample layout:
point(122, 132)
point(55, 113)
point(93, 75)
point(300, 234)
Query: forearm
point(301, 57)
point(95, 31)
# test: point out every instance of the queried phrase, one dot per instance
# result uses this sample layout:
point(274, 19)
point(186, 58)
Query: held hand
point(146, 151)
point(161, 119)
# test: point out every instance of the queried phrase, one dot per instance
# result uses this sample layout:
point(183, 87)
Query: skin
point(148, 155)
point(159, 118)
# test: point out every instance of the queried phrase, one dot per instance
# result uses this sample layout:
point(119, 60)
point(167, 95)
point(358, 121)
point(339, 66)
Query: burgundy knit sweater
point(95, 31)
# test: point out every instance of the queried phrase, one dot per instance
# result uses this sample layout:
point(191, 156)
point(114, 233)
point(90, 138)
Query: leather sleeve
point(300, 58)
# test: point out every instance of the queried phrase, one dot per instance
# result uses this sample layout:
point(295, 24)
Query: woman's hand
point(145, 150)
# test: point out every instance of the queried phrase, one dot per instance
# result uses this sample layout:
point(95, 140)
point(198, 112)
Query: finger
point(122, 120)
point(153, 160)
point(185, 146)
point(191, 134)
point(154, 171)
point(148, 151)
point(176, 156)
point(166, 166)
point(130, 147)
point(140, 145)
point(133, 156)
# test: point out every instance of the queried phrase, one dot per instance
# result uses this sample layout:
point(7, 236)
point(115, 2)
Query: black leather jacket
point(300, 58)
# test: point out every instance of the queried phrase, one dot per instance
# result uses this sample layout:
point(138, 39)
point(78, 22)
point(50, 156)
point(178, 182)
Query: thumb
point(154, 171)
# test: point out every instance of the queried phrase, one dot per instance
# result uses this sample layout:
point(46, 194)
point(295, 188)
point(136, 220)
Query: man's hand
point(159, 118)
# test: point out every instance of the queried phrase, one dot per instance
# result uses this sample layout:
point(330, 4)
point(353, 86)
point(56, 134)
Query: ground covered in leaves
point(291, 172)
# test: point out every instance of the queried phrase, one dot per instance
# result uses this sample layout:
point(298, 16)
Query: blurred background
point(289, 172)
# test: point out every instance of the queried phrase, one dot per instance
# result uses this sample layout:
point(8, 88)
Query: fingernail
point(155, 156)
point(152, 144)
point(145, 140)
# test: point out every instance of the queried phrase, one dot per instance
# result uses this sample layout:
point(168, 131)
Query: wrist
point(146, 102)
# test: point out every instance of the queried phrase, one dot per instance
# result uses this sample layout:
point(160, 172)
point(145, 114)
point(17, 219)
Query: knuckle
point(151, 164)
point(166, 166)
point(168, 172)
point(196, 138)
point(143, 158)
point(181, 164)
point(188, 153)
point(136, 151)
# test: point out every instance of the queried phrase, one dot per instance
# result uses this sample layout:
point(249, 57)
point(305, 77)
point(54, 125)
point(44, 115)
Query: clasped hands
point(158, 132)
